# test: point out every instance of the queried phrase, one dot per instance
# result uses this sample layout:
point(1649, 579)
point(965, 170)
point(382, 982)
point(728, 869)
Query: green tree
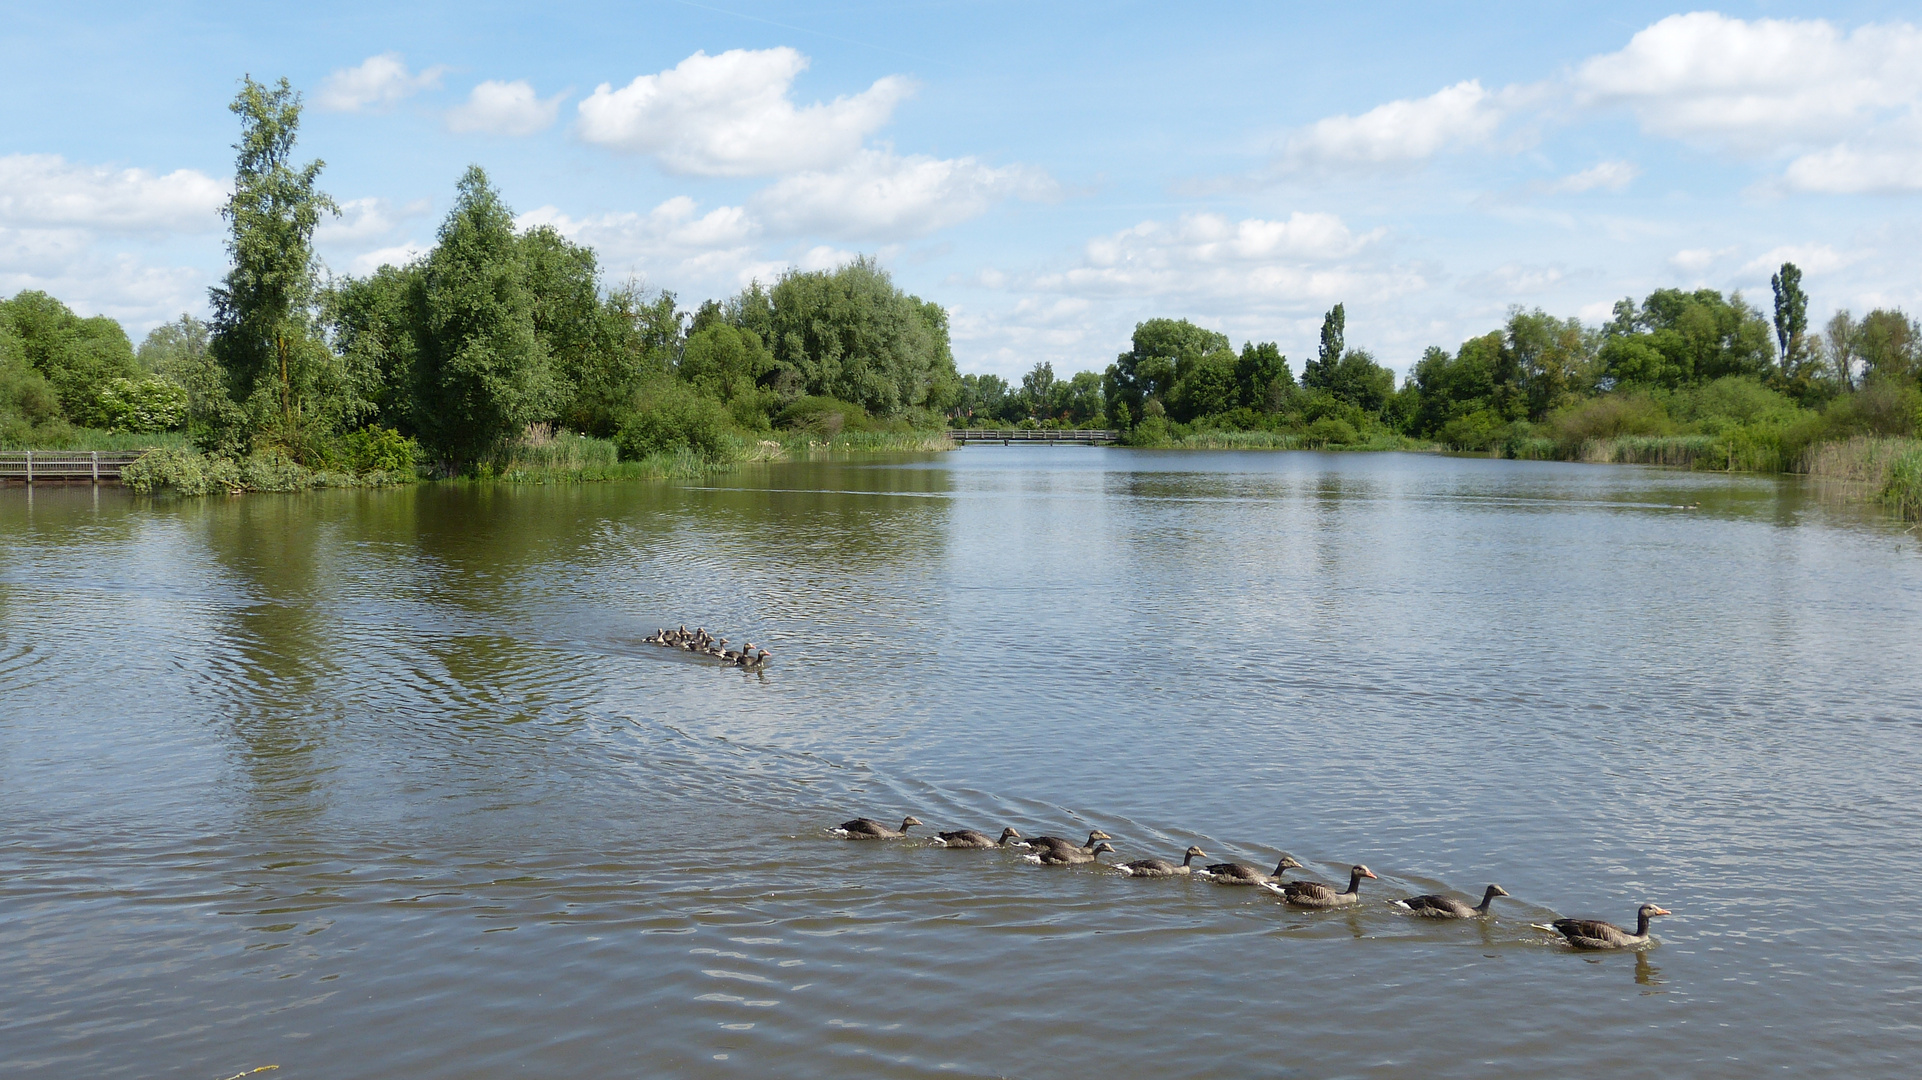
point(851, 334)
point(1262, 375)
point(75, 356)
point(1675, 338)
point(1150, 369)
point(1038, 392)
point(1791, 311)
point(1890, 345)
point(1316, 373)
point(483, 373)
point(290, 389)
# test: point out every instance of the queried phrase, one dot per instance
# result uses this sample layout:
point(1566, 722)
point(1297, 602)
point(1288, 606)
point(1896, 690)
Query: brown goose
point(968, 838)
point(1314, 894)
point(1437, 906)
point(1068, 856)
point(1595, 934)
point(1055, 843)
point(1234, 873)
point(1162, 867)
point(869, 829)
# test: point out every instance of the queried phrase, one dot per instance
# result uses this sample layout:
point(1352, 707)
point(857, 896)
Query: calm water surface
point(385, 784)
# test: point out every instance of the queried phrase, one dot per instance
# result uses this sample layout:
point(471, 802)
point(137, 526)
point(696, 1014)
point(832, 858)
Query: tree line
point(1676, 362)
point(452, 357)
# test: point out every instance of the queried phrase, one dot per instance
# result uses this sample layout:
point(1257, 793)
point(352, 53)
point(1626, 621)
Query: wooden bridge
point(1014, 436)
point(64, 466)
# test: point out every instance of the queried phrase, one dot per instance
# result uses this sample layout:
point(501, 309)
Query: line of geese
point(700, 641)
point(1055, 851)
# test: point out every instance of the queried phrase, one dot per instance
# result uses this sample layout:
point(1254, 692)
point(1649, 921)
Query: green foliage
point(1674, 338)
point(482, 373)
point(181, 470)
point(145, 406)
point(1334, 327)
point(671, 416)
point(1890, 346)
point(378, 449)
point(851, 334)
point(75, 356)
point(1331, 431)
point(1162, 348)
point(281, 385)
point(823, 416)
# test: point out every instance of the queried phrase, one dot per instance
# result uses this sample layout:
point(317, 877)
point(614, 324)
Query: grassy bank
point(540, 458)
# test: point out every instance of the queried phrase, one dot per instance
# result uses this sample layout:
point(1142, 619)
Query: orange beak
point(1662, 911)
point(1368, 873)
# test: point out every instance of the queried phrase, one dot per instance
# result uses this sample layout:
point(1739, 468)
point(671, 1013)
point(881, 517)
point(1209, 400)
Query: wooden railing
point(1081, 437)
point(64, 466)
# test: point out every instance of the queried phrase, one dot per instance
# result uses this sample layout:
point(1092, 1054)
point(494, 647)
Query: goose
point(1437, 906)
point(968, 838)
point(1055, 843)
point(869, 829)
point(1068, 856)
point(1234, 873)
point(1595, 934)
point(1314, 894)
point(1162, 867)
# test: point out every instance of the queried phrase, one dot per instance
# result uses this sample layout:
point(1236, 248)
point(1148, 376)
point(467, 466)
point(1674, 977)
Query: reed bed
point(1889, 468)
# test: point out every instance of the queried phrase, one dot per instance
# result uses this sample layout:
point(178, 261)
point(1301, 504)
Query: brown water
point(386, 785)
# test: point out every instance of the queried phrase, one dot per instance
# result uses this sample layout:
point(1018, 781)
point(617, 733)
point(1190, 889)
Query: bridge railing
point(65, 466)
point(1013, 436)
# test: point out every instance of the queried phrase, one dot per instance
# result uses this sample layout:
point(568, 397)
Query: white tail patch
point(1402, 904)
point(840, 832)
point(1544, 926)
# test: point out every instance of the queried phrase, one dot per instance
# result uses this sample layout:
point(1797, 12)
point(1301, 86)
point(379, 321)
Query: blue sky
point(1051, 173)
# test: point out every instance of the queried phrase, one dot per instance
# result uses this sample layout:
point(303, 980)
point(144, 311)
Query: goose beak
point(1660, 911)
point(1367, 873)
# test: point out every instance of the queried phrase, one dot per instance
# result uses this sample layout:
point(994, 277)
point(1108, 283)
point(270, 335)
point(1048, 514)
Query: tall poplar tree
point(1318, 373)
point(1791, 312)
point(281, 386)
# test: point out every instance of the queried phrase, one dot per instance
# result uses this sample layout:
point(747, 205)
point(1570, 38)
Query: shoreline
point(1885, 469)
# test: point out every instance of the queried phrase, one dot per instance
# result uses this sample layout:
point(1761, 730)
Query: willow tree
point(281, 386)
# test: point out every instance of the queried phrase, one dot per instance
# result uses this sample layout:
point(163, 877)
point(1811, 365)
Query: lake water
point(386, 784)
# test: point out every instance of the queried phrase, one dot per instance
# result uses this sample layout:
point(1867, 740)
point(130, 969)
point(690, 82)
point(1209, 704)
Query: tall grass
point(66, 437)
point(1890, 467)
point(546, 457)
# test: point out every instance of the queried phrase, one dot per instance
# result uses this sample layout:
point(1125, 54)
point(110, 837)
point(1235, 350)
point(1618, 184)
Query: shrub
point(184, 471)
point(146, 406)
point(1331, 431)
point(672, 417)
point(1608, 417)
point(823, 416)
point(379, 449)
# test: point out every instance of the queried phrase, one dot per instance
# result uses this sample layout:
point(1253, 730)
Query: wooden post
point(96, 468)
point(29, 468)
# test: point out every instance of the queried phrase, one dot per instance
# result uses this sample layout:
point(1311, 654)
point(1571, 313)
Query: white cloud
point(1515, 279)
point(1757, 87)
point(672, 242)
point(47, 190)
point(1811, 258)
point(504, 108)
point(1401, 132)
point(1887, 160)
point(379, 82)
point(1305, 260)
point(731, 115)
point(366, 219)
point(1696, 260)
point(368, 262)
point(1607, 176)
point(878, 195)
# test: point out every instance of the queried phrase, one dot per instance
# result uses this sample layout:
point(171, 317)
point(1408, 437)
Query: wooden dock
point(64, 466)
point(1032, 436)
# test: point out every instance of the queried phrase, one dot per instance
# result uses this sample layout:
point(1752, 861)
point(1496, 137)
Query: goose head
point(1007, 835)
point(909, 821)
point(1650, 910)
point(1194, 852)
